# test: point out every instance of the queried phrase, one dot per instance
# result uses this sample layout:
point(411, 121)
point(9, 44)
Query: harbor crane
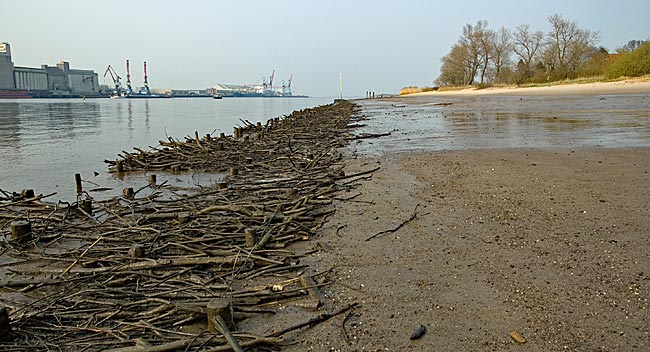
point(146, 83)
point(115, 77)
point(129, 89)
point(268, 88)
point(286, 88)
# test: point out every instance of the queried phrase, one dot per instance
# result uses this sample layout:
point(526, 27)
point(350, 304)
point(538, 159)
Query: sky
point(377, 45)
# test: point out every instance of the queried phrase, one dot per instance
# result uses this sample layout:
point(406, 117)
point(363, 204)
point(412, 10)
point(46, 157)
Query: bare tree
point(631, 46)
point(501, 52)
point(472, 39)
point(568, 44)
point(526, 45)
point(486, 39)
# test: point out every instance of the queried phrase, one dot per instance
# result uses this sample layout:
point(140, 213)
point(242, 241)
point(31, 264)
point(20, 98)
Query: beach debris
point(517, 337)
point(368, 135)
point(314, 321)
point(419, 332)
point(345, 330)
point(141, 268)
point(415, 214)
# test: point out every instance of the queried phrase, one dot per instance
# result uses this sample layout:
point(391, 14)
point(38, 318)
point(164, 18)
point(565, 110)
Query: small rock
point(419, 332)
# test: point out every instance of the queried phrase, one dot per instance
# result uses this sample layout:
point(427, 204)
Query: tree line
point(484, 56)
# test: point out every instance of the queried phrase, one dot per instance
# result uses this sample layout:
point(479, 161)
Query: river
point(45, 142)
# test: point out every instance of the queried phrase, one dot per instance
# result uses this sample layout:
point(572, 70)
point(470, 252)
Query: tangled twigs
point(138, 270)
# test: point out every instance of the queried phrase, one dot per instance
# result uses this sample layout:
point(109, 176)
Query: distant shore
point(632, 86)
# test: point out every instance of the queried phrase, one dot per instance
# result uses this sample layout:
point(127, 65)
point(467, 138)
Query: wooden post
point(77, 181)
point(21, 231)
point(220, 319)
point(119, 166)
point(233, 171)
point(222, 135)
point(249, 238)
point(220, 146)
point(27, 193)
point(5, 328)
point(152, 179)
point(259, 125)
point(128, 193)
point(86, 205)
point(315, 296)
point(235, 132)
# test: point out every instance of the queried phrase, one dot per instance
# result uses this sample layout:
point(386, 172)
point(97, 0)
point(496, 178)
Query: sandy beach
point(631, 86)
point(502, 249)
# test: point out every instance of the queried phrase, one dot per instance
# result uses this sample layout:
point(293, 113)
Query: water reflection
point(31, 123)
point(43, 143)
point(433, 123)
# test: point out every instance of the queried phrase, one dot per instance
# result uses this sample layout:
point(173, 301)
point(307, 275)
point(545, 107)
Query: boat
point(15, 94)
point(217, 96)
point(145, 96)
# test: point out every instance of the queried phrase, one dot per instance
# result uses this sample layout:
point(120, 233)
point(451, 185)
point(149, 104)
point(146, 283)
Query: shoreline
point(480, 245)
point(474, 245)
point(632, 86)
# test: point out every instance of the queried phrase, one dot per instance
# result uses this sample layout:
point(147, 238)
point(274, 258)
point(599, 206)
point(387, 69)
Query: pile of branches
point(135, 273)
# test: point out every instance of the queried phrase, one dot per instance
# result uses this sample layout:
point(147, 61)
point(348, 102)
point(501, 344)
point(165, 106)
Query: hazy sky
point(376, 45)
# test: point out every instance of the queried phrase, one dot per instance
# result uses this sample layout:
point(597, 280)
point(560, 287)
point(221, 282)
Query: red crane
point(146, 83)
point(128, 78)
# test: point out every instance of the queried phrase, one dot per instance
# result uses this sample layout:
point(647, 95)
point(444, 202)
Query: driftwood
point(413, 216)
point(139, 269)
point(314, 321)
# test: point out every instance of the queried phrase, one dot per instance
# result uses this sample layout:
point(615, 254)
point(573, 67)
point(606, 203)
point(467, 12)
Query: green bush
point(632, 64)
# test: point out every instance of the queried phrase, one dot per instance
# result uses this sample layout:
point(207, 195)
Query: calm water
point(451, 123)
point(43, 143)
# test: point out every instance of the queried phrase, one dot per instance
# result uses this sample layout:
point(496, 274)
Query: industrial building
point(232, 90)
point(58, 81)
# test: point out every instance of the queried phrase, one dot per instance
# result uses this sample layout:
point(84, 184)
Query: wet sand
point(548, 241)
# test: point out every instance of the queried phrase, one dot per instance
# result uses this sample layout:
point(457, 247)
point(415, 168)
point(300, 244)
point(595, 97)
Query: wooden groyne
point(165, 268)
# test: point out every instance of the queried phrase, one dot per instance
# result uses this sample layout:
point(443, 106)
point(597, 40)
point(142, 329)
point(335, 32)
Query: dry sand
point(632, 86)
point(551, 244)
